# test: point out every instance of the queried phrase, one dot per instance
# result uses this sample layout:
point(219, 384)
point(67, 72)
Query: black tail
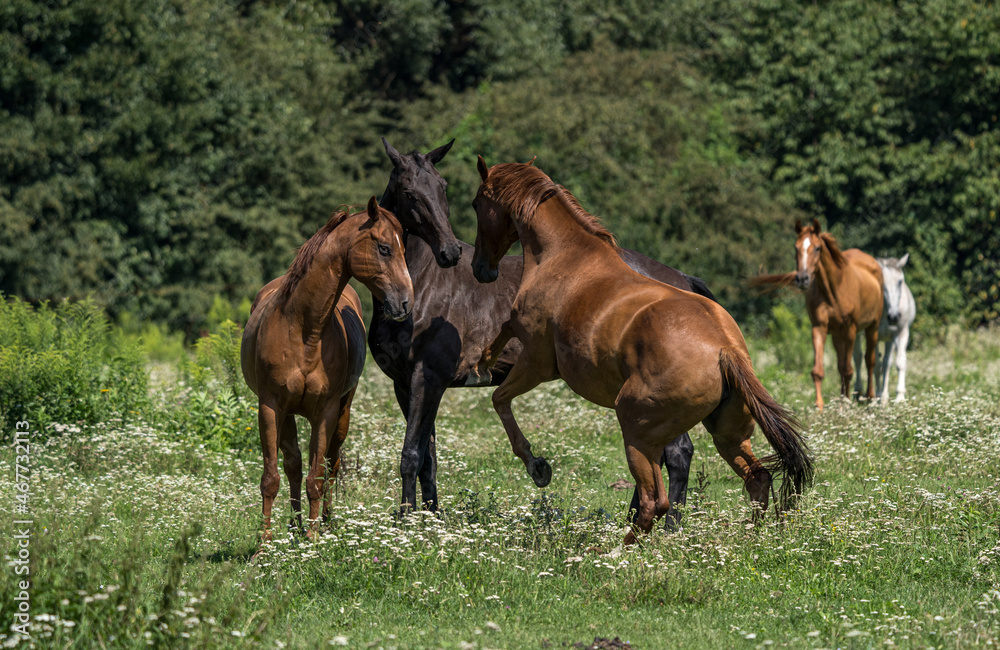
point(791, 458)
point(699, 287)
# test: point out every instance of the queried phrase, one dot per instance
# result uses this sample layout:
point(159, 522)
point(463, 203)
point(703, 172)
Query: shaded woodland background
point(167, 157)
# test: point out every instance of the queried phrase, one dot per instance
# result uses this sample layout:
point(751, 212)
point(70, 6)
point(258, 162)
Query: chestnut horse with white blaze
point(303, 347)
point(843, 297)
point(663, 358)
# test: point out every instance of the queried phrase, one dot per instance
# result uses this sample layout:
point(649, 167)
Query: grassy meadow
point(143, 536)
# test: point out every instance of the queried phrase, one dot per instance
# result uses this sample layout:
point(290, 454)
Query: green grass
point(143, 537)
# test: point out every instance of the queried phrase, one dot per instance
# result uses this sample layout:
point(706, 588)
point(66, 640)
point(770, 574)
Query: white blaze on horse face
point(806, 244)
point(400, 243)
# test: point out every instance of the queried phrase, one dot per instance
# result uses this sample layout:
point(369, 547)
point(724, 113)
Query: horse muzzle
point(483, 272)
point(397, 310)
point(802, 280)
point(449, 255)
point(892, 318)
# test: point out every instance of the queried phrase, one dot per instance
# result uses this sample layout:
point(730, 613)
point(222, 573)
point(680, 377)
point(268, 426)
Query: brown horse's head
point(377, 260)
point(808, 248)
point(495, 230)
point(416, 195)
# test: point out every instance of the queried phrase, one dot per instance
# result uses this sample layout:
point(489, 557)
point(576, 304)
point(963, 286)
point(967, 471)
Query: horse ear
point(798, 226)
point(903, 260)
point(373, 209)
point(436, 155)
point(816, 226)
point(531, 162)
point(394, 156)
point(484, 171)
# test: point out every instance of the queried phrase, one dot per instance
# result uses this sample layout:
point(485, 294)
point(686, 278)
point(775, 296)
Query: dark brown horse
point(454, 318)
point(843, 297)
point(663, 358)
point(304, 346)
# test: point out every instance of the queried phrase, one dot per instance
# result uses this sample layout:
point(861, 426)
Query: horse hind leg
point(731, 426)
point(269, 480)
point(857, 364)
point(291, 460)
point(676, 458)
point(333, 451)
point(643, 454)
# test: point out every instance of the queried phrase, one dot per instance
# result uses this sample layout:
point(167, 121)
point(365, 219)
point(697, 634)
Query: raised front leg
point(819, 340)
point(522, 378)
point(422, 399)
point(901, 342)
point(480, 373)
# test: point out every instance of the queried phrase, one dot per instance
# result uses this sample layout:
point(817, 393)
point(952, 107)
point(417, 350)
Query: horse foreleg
point(819, 340)
point(522, 378)
point(269, 480)
point(480, 374)
point(882, 367)
point(425, 393)
point(871, 347)
point(901, 342)
point(291, 460)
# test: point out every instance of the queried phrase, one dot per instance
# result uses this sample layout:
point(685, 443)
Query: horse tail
point(791, 458)
point(772, 282)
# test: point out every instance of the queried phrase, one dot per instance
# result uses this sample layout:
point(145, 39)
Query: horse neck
point(314, 297)
point(830, 276)
point(551, 230)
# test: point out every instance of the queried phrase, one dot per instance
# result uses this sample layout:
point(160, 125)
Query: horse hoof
point(541, 472)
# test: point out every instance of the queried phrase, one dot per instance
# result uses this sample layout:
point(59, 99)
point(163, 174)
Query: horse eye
point(408, 195)
point(384, 250)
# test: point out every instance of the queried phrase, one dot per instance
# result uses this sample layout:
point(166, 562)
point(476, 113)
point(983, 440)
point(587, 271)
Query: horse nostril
point(406, 306)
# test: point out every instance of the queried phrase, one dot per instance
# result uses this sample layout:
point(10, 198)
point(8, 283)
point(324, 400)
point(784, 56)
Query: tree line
point(159, 155)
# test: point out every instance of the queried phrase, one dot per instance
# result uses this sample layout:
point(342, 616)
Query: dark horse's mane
point(522, 188)
point(303, 259)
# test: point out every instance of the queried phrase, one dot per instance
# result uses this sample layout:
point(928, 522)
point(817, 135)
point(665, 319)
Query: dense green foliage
point(160, 155)
point(64, 364)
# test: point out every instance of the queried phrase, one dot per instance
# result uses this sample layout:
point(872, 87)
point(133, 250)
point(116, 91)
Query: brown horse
point(304, 347)
point(843, 296)
point(663, 358)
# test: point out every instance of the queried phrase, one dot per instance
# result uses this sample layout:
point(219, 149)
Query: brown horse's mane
point(522, 188)
point(834, 248)
point(303, 259)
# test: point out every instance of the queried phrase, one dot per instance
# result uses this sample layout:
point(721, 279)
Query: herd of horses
point(621, 329)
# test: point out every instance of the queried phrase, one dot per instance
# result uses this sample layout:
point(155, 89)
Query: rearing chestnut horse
point(454, 318)
point(303, 347)
point(843, 296)
point(663, 358)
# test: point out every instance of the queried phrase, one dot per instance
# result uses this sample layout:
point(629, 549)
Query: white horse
point(897, 316)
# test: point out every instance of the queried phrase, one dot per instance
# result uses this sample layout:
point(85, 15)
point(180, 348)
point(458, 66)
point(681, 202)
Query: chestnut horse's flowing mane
point(834, 248)
point(303, 259)
point(522, 188)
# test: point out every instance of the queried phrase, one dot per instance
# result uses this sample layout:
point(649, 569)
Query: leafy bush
point(65, 364)
point(212, 405)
